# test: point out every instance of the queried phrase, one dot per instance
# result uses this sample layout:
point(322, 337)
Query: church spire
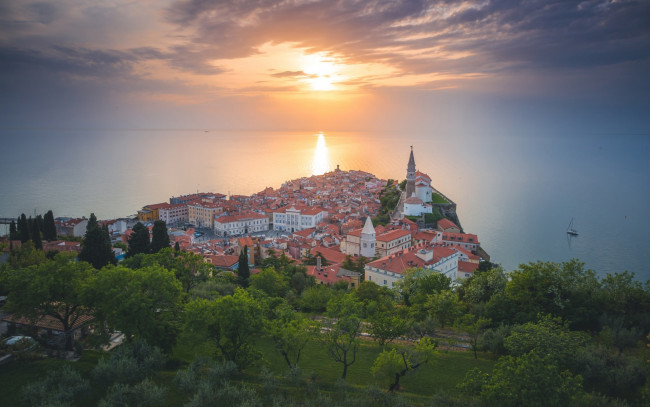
point(411, 164)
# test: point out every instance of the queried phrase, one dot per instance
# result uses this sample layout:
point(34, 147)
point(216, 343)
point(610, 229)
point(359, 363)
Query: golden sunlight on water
point(320, 162)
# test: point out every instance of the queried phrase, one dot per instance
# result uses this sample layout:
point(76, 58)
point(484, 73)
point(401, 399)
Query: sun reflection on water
point(320, 162)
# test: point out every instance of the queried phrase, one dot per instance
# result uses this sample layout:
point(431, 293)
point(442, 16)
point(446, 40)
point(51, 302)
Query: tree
point(54, 288)
point(527, 380)
point(418, 283)
point(243, 271)
point(49, 227)
point(189, 268)
point(386, 327)
point(549, 337)
point(160, 238)
point(474, 326)
point(482, 286)
point(36, 236)
point(342, 335)
point(138, 241)
point(177, 247)
point(315, 298)
point(396, 363)
point(230, 321)
point(290, 333)
point(270, 283)
point(142, 303)
point(58, 388)
point(23, 228)
point(96, 246)
point(445, 307)
point(13, 231)
point(27, 255)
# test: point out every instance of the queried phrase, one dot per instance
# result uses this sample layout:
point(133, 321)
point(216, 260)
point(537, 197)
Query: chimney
point(318, 263)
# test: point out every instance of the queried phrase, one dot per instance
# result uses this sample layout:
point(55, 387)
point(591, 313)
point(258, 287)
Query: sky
point(478, 67)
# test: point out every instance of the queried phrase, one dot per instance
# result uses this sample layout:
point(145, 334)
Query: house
point(71, 227)
point(388, 270)
point(241, 224)
point(467, 241)
point(174, 214)
point(50, 328)
point(297, 218)
point(222, 262)
point(447, 226)
point(414, 206)
point(392, 242)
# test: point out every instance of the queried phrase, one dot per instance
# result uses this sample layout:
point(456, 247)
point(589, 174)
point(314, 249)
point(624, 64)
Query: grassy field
point(446, 370)
point(438, 199)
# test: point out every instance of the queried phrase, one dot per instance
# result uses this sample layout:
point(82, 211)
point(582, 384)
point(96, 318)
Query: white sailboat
point(571, 230)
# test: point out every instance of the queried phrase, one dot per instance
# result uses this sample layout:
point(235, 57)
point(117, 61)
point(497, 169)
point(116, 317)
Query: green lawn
point(438, 199)
point(443, 373)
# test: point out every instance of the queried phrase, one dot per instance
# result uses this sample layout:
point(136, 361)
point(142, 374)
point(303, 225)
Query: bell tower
point(410, 176)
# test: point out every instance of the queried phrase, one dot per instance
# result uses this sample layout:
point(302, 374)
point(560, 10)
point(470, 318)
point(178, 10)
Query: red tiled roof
point(392, 235)
point(467, 267)
point(460, 237)
point(48, 322)
point(445, 224)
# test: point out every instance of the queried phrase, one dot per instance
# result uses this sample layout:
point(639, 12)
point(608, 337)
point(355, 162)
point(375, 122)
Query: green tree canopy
point(36, 235)
point(392, 365)
point(290, 332)
point(96, 246)
point(243, 270)
point(139, 240)
point(159, 237)
point(54, 288)
point(49, 227)
point(23, 228)
point(270, 282)
point(230, 321)
point(142, 303)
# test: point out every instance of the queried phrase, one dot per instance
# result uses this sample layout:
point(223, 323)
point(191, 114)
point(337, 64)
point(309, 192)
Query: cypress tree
point(36, 235)
point(49, 227)
point(23, 228)
point(177, 248)
point(159, 238)
point(13, 232)
point(243, 271)
point(139, 240)
point(39, 222)
point(96, 246)
point(92, 222)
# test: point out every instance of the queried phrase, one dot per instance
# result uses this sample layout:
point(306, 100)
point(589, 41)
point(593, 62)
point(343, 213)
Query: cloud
point(498, 34)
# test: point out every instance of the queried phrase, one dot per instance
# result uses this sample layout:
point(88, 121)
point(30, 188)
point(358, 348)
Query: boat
point(571, 230)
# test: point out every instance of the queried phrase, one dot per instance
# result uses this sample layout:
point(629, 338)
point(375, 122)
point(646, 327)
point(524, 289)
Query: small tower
point(368, 240)
point(410, 176)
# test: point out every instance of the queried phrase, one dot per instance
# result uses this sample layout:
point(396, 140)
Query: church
point(417, 197)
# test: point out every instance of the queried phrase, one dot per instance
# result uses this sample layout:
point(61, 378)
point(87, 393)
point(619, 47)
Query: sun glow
point(321, 72)
point(320, 162)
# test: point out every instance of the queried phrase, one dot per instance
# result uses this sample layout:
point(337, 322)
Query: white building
point(294, 219)
point(414, 206)
point(243, 224)
point(388, 270)
point(361, 242)
point(174, 214)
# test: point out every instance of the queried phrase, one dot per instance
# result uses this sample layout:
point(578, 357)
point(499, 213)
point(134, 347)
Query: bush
point(59, 388)
point(143, 394)
point(129, 363)
point(204, 369)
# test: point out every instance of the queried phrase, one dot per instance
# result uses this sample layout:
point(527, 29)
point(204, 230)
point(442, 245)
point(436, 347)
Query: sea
point(517, 193)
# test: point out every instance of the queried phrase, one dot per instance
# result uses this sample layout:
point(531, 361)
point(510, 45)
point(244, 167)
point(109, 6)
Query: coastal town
point(327, 218)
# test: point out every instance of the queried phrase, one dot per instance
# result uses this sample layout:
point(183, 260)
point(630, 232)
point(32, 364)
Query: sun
point(321, 72)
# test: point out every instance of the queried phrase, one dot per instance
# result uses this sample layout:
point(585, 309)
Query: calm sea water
point(518, 194)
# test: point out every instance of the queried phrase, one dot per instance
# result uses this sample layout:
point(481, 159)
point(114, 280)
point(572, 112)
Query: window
point(385, 282)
